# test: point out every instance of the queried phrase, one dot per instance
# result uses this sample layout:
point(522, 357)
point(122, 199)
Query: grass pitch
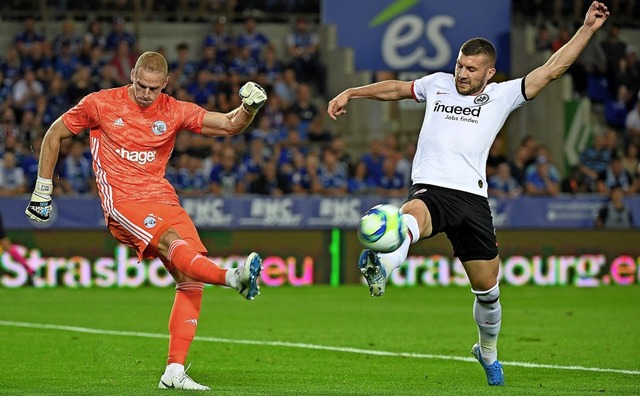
point(321, 341)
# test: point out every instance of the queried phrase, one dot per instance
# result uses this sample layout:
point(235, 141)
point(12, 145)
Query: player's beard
point(469, 89)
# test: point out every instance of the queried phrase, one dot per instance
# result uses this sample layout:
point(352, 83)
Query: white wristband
point(43, 186)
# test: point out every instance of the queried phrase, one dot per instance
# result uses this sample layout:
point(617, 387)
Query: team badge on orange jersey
point(149, 222)
point(159, 127)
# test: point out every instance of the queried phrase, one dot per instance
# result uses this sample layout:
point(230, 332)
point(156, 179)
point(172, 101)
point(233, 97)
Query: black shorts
point(464, 217)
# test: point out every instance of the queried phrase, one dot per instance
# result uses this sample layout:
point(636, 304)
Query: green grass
point(557, 326)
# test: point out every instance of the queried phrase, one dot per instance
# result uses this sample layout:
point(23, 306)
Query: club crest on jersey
point(481, 99)
point(159, 127)
point(149, 222)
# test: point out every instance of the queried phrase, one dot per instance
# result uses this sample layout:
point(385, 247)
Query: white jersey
point(458, 131)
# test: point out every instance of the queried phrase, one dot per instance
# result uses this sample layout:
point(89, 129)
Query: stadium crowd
point(288, 149)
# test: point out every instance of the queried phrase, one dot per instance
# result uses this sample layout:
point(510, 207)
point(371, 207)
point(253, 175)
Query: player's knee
point(179, 277)
point(489, 295)
point(480, 286)
point(166, 239)
point(420, 212)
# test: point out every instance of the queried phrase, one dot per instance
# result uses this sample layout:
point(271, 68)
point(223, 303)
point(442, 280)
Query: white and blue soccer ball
point(381, 229)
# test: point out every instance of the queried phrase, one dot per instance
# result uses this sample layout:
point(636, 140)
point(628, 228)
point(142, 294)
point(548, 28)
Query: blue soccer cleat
point(495, 375)
point(373, 271)
point(247, 276)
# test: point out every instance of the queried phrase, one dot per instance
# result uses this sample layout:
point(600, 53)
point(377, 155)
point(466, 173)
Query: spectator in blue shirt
point(29, 163)
point(256, 158)
point(391, 184)
point(183, 69)
point(225, 178)
point(502, 184)
point(542, 178)
point(374, 160)
point(332, 176)
point(265, 132)
point(302, 46)
point(593, 160)
point(12, 180)
point(210, 63)
point(306, 180)
point(24, 40)
point(94, 37)
point(360, 183)
point(270, 68)
point(202, 89)
point(11, 66)
point(76, 176)
point(244, 64)
point(5, 90)
point(65, 62)
point(119, 33)
point(38, 61)
point(191, 180)
point(615, 175)
point(220, 40)
point(270, 181)
point(58, 100)
point(67, 35)
point(255, 40)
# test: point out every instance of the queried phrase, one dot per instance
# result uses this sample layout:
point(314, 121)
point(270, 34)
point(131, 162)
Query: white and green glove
point(39, 207)
point(253, 97)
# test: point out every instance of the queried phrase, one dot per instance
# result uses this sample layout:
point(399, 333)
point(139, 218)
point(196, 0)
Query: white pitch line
point(308, 346)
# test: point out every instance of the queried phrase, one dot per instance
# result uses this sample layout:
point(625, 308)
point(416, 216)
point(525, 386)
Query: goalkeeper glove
point(253, 97)
point(39, 207)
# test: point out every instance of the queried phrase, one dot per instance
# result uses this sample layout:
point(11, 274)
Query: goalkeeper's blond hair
point(152, 62)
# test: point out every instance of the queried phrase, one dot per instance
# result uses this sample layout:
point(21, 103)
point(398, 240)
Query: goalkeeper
point(132, 133)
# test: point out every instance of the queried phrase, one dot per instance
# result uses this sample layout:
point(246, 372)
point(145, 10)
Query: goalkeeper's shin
point(39, 208)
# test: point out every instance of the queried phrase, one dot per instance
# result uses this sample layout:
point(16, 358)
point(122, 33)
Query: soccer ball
point(381, 229)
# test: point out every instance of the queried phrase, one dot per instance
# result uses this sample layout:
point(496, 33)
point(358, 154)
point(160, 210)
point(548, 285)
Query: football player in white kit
point(463, 115)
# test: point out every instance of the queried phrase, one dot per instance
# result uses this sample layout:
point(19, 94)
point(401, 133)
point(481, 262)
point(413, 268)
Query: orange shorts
point(140, 225)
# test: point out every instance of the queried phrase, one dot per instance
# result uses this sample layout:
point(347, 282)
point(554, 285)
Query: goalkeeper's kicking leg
point(190, 269)
point(167, 232)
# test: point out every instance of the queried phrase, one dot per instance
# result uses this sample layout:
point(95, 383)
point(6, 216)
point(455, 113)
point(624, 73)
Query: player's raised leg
point(194, 265)
point(376, 267)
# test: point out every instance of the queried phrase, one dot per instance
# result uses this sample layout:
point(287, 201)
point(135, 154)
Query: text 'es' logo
point(439, 107)
point(141, 157)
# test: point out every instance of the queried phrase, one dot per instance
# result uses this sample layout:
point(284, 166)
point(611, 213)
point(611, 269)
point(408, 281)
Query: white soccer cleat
point(180, 381)
point(247, 276)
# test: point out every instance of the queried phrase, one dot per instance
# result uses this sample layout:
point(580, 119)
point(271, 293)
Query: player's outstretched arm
point(560, 61)
point(56, 133)
point(383, 90)
point(39, 208)
point(223, 124)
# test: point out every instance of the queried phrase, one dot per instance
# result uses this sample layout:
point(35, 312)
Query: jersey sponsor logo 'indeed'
point(141, 157)
point(458, 113)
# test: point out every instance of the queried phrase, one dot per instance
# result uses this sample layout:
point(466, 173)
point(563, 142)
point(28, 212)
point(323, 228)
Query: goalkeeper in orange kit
point(132, 134)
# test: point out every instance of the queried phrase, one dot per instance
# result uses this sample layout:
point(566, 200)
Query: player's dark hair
point(479, 46)
point(151, 62)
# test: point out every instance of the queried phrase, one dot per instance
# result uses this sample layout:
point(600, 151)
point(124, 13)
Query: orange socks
point(195, 265)
point(184, 320)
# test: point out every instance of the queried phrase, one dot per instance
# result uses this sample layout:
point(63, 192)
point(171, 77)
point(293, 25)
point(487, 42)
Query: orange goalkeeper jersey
point(131, 145)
